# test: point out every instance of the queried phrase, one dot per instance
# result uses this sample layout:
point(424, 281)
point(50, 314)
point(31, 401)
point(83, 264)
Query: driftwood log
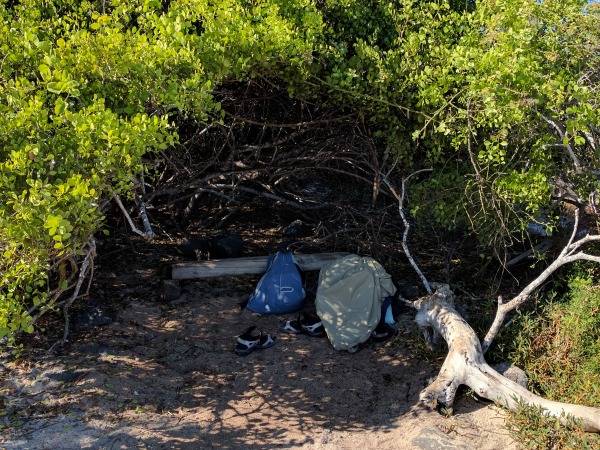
point(465, 364)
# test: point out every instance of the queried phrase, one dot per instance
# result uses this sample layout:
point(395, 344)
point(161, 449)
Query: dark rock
point(513, 373)
point(296, 229)
point(223, 246)
point(171, 290)
point(94, 314)
point(407, 291)
point(195, 248)
point(227, 246)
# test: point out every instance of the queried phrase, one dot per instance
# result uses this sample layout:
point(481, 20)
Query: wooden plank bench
point(252, 265)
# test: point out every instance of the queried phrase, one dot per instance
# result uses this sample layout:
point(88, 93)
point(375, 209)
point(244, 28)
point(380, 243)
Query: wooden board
point(253, 265)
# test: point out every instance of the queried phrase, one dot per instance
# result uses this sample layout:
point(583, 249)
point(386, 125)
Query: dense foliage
point(498, 98)
point(88, 90)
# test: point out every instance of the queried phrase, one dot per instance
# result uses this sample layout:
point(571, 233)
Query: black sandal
point(306, 323)
point(291, 326)
point(250, 341)
point(382, 334)
point(311, 324)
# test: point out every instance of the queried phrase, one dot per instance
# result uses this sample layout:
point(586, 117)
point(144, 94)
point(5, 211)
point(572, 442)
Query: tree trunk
point(466, 365)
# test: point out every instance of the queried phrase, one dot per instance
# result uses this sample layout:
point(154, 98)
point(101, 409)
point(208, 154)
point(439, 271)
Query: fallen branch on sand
point(465, 363)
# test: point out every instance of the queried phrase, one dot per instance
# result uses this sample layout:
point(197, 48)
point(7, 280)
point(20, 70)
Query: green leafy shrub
point(559, 348)
point(536, 431)
point(88, 90)
point(475, 91)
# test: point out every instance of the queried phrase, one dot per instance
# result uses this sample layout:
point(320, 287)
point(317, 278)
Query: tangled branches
point(69, 272)
point(319, 164)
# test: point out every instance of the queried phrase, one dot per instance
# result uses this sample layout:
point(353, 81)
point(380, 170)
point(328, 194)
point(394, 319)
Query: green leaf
point(54, 87)
point(60, 106)
point(45, 72)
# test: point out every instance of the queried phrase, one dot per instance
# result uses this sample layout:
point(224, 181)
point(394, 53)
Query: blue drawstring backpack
point(281, 288)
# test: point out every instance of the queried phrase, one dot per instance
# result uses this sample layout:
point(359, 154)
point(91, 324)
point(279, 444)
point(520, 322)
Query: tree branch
point(465, 364)
point(566, 256)
point(401, 199)
point(289, 125)
point(149, 234)
point(88, 263)
point(562, 132)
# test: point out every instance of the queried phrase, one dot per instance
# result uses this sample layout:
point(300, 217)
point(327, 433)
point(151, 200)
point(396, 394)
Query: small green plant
point(560, 348)
point(537, 431)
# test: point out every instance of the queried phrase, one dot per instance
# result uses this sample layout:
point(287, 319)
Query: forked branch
point(148, 233)
point(401, 198)
point(569, 254)
point(465, 362)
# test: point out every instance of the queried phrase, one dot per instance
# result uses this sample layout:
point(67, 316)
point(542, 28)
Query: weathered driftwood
point(253, 265)
point(465, 364)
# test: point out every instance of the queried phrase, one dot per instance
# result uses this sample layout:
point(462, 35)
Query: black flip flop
point(253, 339)
point(382, 334)
point(306, 323)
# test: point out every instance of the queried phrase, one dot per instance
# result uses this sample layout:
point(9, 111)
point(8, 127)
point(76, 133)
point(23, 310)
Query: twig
point(406, 228)
point(51, 297)
point(564, 136)
point(289, 125)
point(401, 199)
point(148, 234)
point(541, 248)
point(269, 195)
point(88, 262)
point(277, 142)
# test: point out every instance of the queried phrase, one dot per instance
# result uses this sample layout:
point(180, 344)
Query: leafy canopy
point(499, 98)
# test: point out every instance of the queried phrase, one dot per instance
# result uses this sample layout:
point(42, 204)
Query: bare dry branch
point(407, 227)
point(566, 256)
point(86, 265)
point(465, 364)
point(562, 132)
point(290, 125)
point(149, 234)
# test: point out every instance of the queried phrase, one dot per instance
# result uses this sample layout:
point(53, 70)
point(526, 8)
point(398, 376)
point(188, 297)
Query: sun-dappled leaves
point(499, 98)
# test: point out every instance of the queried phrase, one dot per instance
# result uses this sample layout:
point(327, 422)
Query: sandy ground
point(164, 375)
